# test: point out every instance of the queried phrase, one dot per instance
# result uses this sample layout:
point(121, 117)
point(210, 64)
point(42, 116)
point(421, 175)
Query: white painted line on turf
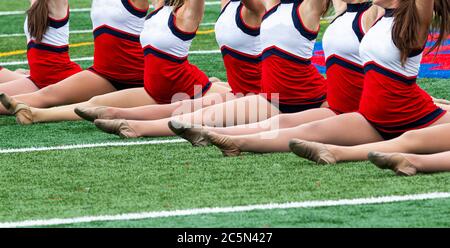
point(200, 211)
point(84, 146)
point(24, 62)
point(21, 12)
point(86, 31)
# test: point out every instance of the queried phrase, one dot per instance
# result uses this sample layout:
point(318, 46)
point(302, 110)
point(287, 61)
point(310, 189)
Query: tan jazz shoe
point(23, 113)
point(192, 133)
point(224, 143)
point(117, 127)
point(395, 162)
point(92, 114)
point(313, 151)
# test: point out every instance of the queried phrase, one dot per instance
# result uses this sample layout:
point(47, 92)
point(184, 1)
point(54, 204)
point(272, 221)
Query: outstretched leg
point(423, 141)
point(18, 86)
point(124, 98)
point(239, 111)
point(154, 112)
point(7, 75)
point(409, 164)
point(346, 129)
point(77, 88)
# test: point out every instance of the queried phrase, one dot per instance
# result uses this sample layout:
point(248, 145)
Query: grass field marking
point(225, 210)
point(24, 62)
point(21, 12)
point(85, 146)
point(87, 31)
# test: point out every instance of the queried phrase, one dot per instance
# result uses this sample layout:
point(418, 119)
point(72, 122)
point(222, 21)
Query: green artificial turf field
point(42, 185)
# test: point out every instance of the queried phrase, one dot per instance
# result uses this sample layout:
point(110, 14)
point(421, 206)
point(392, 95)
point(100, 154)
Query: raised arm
point(311, 11)
point(339, 6)
point(425, 9)
point(371, 16)
point(191, 15)
point(255, 6)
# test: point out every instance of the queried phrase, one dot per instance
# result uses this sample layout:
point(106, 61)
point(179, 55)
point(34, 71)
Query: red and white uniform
point(345, 71)
point(392, 101)
point(49, 59)
point(286, 68)
point(241, 49)
point(167, 69)
point(118, 54)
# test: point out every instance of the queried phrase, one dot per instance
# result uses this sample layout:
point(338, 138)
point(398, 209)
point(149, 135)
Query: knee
point(45, 97)
point(411, 138)
point(95, 101)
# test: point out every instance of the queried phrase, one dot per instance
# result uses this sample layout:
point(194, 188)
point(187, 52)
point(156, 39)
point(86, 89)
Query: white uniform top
point(232, 32)
point(282, 29)
point(342, 38)
point(379, 52)
point(57, 34)
point(118, 15)
point(163, 37)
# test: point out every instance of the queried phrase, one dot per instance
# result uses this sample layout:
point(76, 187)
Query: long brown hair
point(38, 19)
point(407, 24)
point(175, 3)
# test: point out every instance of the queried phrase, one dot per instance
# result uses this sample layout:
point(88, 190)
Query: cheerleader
point(344, 70)
point(118, 61)
point(238, 35)
point(289, 82)
point(47, 31)
point(165, 40)
point(391, 104)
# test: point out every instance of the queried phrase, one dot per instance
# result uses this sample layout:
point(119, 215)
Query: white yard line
point(24, 62)
point(84, 146)
point(21, 12)
point(225, 210)
point(87, 31)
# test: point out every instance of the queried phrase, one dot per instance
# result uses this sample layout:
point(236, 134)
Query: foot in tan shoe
point(192, 133)
point(117, 127)
point(396, 162)
point(92, 114)
point(22, 111)
point(224, 143)
point(313, 151)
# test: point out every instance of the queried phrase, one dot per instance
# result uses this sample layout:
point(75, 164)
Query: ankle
point(335, 151)
point(414, 160)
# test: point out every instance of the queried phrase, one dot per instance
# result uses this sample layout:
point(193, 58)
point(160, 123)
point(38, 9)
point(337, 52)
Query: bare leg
point(424, 141)
point(124, 98)
point(438, 162)
point(156, 112)
point(77, 88)
point(281, 121)
point(239, 111)
point(217, 94)
point(18, 86)
point(346, 129)
point(409, 164)
point(7, 75)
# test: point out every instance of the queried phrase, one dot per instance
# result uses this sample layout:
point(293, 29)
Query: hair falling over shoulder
point(407, 25)
point(38, 19)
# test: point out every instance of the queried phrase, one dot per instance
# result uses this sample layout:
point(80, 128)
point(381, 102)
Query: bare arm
point(339, 6)
point(253, 11)
point(58, 8)
point(255, 6)
point(425, 9)
point(371, 16)
point(311, 11)
point(190, 15)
